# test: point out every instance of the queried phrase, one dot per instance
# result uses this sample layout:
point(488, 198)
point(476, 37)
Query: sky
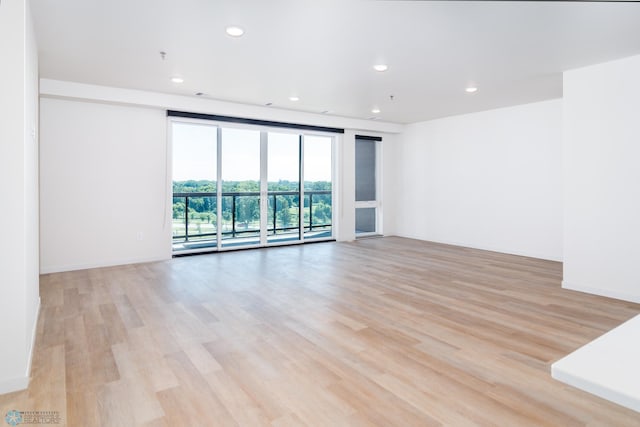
point(194, 154)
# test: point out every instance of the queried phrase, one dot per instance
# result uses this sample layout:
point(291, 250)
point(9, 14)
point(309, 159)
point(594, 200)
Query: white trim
point(264, 132)
point(168, 223)
point(264, 187)
point(203, 250)
point(379, 188)
point(218, 188)
point(112, 263)
point(336, 202)
point(22, 383)
point(377, 203)
point(301, 145)
point(600, 291)
point(34, 332)
point(213, 250)
point(483, 248)
point(366, 204)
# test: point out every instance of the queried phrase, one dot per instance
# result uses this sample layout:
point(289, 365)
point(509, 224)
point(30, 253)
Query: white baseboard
point(21, 383)
point(72, 267)
point(485, 248)
point(600, 291)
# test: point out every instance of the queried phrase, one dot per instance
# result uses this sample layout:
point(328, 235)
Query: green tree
point(178, 210)
point(285, 214)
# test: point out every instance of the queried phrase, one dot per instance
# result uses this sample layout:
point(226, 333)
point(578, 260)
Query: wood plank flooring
point(379, 332)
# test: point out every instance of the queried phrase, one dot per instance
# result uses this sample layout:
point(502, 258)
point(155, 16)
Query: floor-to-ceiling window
point(240, 182)
point(318, 187)
point(238, 186)
point(283, 186)
point(195, 177)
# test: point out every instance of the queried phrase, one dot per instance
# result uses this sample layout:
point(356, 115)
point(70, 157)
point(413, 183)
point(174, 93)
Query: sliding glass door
point(240, 178)
point(246, 187)
point(283, 187)
point(195, 201)
point(318, 187)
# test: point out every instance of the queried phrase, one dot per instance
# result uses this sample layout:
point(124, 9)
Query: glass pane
point(194, 185)
point(317, 206)
point(365, 220)
point(240, 187)
point(283, 182)
point(365, 170)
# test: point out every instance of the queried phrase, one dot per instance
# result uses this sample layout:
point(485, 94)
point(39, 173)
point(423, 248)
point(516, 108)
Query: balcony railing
point(250, 221)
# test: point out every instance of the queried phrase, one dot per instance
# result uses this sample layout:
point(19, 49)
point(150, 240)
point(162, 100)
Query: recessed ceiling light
point(375, 110)
point(234, 31)
point(177, 79)
point(471, 89)
point(294, 98)
point(380, 67)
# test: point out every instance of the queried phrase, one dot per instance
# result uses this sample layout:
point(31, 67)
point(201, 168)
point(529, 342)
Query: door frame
point(377, 203)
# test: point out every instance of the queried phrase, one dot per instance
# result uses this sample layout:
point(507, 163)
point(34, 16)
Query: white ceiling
point(323, 51)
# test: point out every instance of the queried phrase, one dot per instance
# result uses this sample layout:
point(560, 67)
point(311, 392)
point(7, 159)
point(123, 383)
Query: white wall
point(489, 180)
point(103, 170)
point(19, 293)
point(194, 104)
point(389, 183)
point(346, 219)
point(31, 184)
point(601, 150)
point(103, 180)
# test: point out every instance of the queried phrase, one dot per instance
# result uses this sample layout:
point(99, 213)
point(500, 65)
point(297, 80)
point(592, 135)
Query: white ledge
point(608, 367)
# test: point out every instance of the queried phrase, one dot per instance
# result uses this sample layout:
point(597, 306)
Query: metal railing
point(234, 232)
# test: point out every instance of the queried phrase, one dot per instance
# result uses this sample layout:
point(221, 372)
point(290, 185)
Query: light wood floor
point(380, 332)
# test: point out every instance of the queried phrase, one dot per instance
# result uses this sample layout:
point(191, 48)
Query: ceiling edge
point(105, 94)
